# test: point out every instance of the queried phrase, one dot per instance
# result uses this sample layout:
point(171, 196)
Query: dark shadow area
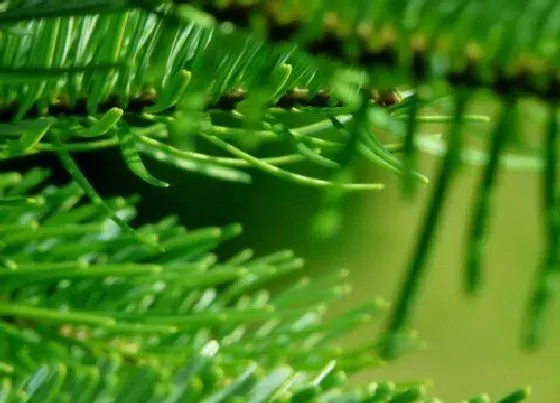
point(275, 214)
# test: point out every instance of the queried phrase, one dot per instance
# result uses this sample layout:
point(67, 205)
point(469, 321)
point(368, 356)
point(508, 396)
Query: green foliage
point(506, 46)
point(91, 314)
point(95, 305)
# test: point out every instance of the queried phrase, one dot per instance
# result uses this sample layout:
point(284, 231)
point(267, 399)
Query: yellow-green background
point(473, 343)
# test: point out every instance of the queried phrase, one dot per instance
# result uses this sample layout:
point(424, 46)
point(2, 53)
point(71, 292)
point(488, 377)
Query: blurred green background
point(473, 344)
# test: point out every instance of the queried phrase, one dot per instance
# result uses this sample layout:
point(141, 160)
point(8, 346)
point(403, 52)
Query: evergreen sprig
point(89, 314)
point(508, 45)
point(167, 80)
point(158, 78)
